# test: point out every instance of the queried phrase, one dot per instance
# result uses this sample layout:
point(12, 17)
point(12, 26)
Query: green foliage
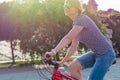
point(112, 21)
point(53, 25)
point(114, 24)
point(40, 25)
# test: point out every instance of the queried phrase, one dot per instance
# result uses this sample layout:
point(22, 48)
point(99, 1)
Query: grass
point(26, 63)
point(20, 64)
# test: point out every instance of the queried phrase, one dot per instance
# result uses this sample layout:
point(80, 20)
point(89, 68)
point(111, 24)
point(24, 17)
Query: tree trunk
point(12, 50)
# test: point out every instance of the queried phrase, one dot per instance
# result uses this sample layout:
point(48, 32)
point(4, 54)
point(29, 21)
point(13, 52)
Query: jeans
point(99, 63)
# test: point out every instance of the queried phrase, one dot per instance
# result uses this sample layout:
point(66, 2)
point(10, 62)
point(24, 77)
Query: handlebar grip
point(50, 62)
point(48, 56)
point(48, 59)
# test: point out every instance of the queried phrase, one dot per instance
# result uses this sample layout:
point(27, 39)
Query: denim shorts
point(99, 63)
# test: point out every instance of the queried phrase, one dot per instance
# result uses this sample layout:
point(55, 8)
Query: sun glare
point(5, 1)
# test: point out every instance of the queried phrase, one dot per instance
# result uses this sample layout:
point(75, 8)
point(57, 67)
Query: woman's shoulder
point(83, 17)
point(86, 17)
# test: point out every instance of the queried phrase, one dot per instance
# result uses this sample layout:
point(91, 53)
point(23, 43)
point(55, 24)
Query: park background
point(29, 28)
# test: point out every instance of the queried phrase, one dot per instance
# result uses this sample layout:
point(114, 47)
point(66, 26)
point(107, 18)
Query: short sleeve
point(81, 21)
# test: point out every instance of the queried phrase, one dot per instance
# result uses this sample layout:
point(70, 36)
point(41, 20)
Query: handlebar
point(50, 62)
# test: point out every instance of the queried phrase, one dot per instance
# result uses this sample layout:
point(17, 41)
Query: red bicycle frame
point(57, 75)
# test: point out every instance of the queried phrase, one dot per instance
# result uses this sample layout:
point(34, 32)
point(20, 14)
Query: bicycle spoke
point(41, 74)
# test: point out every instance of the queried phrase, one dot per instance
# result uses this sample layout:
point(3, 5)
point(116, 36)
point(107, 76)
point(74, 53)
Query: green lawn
point(19, 64)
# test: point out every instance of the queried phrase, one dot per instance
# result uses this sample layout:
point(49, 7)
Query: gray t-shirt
point(91, 36)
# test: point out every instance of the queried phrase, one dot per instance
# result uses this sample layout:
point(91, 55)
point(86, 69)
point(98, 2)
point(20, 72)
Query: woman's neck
point(75, 17)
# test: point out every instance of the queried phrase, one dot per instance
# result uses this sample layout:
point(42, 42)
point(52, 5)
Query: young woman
point(85, 31)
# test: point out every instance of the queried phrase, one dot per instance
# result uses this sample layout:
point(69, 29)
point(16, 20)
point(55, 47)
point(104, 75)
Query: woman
point(85, 31)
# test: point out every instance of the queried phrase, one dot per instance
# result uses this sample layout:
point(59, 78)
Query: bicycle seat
point(114, 62)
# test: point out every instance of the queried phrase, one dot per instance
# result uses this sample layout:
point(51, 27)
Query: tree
point(6, 27)
point(52, 27)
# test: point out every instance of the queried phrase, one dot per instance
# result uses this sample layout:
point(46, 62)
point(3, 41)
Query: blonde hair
point(76, 4)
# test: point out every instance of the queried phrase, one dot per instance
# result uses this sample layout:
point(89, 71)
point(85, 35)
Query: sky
point(106, 4)
point(102, 4)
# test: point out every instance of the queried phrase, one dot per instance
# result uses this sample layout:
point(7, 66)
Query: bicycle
point(56, 74)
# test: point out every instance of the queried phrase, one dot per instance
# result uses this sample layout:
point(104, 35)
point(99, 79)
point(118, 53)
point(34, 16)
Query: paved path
point(30, 73)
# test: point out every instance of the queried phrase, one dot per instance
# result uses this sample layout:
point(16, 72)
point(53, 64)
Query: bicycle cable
point(46, 69)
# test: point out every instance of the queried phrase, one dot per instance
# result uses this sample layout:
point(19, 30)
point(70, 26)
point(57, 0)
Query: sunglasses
point(67, 6)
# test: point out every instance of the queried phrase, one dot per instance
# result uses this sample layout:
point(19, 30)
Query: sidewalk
point(30, 73)
point(4, 71)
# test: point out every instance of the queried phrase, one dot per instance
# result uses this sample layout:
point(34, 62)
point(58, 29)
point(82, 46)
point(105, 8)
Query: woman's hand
point(48, 55)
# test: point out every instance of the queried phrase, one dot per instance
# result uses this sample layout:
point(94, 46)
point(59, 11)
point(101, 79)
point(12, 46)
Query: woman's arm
point(72, 34)
point(71, 50)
